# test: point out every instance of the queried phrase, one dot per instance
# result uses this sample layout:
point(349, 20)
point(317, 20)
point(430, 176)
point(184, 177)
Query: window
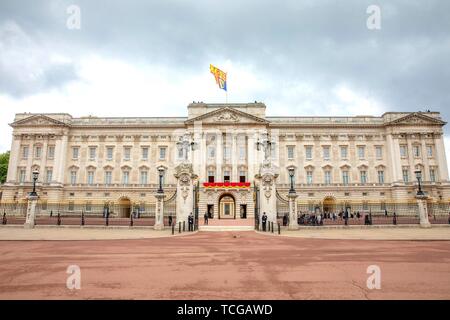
point(361, 152)
point(51, 152)
point(290, 152)
point(211, 176)
point(144, 152)
point(416, 151)
point(22, 175)
point(242, 176)
point(327, 177)
point(344, 152)
point(162, 153)
point(432, 175)
point(125, 177)
point(37, 152)
point(430, 151)
point(90, 177)
point(363, 176)
point(309, 177)
point(403, 151)
point(25, 152)
point(379, 152)
point(126, 153)
point(226, 152)
point(211, 152)
point(88, 206)
point(180, 153)
point(108, 177)
point(144, 176)
point(73, 177)
point(326, 153)
point(226, 176)
point(365, 206)
point(48, 176)
point(380, 176)
point(405, 172)
point(242, 152)
point(345, 177)
point(92, 153)
point(109, 153)
point(75, 152)
point(308, 152)
point(71, 206)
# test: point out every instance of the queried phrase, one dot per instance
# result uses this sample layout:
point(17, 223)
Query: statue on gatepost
point(267, 175)
point(185, 179)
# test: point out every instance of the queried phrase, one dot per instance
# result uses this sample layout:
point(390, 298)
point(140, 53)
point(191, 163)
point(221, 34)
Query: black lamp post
point(35, 177)
point(419, 178)
point(161, 175)
point(291, 176)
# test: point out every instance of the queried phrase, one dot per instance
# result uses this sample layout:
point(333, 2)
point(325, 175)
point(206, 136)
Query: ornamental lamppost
point(35, 177)
point(291, 176)
point(419, 178)
point(161, 171)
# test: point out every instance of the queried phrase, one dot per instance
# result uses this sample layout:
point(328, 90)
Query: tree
point(4, 160)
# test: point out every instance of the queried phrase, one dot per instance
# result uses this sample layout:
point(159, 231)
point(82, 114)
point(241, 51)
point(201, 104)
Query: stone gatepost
point(423, 211)
point(159, 214)
point(268, 198)
point(293, 223)
point(31, 212)
point(185, 188)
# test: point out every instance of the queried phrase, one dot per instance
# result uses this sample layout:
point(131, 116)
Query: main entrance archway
point(329, 205)
point(227, 207)
point(124, 207)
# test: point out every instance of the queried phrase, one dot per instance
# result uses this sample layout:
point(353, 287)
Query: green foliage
point(4, 160)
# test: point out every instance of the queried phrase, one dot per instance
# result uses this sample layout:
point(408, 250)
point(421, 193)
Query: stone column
point(426, 164)
point(219, 157)
point(251, 156)
point(441, 158)
point(423, 211)
point(31, 212)
point(268, 198)
point(185, 189)
point(234, 158)
point(15, 158)
point(159, 214)
point(293, 224)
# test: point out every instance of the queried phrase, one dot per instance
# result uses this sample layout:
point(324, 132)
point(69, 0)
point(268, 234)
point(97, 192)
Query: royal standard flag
point(221, 77)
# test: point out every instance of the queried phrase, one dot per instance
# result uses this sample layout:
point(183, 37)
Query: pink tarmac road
point(225, 265)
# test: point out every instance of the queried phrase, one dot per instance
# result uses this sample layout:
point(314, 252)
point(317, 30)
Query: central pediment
point(227, 115)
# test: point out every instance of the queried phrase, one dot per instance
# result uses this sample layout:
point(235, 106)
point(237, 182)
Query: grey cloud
point(405, 65)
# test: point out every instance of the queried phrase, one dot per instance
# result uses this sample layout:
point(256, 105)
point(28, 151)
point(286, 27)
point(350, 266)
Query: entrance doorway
point(227, 207)
point(210, 210)
point(329, 205)
point(243, 211)
point(124, 208)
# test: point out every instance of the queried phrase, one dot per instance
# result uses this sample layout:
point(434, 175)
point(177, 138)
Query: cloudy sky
point(150, 58)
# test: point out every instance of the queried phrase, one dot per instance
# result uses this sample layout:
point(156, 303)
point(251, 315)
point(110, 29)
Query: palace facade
point(91, 162)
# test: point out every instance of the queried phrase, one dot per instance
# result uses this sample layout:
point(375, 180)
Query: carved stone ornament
point(268, 173)
point(227, 116)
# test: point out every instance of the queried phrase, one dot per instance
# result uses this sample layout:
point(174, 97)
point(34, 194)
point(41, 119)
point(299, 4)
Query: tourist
point(170, 220)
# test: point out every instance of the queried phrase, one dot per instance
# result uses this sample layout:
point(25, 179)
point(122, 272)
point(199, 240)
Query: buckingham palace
point(228, 160)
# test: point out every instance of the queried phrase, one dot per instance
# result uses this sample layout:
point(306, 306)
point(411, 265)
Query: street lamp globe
point(35, 175)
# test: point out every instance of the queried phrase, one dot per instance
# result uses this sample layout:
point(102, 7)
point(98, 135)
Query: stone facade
point(88, 162)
